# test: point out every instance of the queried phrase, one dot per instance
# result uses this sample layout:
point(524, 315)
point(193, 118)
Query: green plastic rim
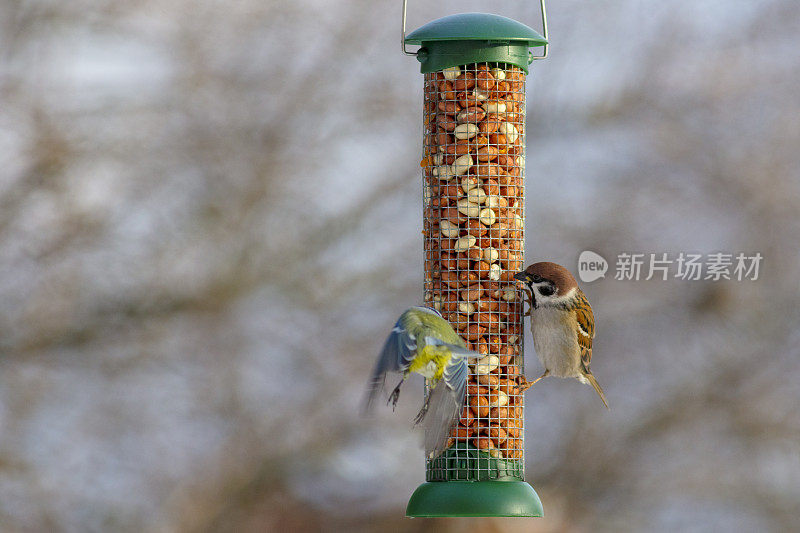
point(474, 498)
point(437, 56)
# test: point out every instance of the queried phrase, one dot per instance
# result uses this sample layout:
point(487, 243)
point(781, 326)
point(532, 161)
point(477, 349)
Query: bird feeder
point(473, 167)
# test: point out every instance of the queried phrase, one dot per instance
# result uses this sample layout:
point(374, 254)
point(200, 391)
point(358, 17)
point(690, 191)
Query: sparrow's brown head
point(548, 281)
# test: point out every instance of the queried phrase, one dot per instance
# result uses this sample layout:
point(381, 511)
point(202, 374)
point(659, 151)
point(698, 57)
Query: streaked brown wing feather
point(585, 317)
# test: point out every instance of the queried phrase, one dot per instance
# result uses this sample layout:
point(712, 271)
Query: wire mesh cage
point(473, 168)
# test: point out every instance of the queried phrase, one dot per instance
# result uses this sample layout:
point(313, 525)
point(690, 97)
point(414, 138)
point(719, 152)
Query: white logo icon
point(591, 266)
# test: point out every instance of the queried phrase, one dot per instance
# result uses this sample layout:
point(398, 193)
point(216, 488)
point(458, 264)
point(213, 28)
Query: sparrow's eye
point(547, 290)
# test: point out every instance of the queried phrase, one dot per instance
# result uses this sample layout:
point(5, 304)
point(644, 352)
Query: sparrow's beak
point(522, 276)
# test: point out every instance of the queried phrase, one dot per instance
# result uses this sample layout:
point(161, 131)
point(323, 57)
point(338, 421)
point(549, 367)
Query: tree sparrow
point(562, 324)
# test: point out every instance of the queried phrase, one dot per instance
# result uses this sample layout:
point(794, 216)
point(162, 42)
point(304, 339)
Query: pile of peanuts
point(473, 225)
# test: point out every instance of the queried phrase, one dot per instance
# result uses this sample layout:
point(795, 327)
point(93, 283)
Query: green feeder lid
point(471, 38)
point(476, 27)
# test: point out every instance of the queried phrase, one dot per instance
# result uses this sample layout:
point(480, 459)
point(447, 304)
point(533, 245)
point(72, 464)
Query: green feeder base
point(474, 498)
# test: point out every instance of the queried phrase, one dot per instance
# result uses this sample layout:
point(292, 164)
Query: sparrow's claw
point(525, 385)
point(529, 293)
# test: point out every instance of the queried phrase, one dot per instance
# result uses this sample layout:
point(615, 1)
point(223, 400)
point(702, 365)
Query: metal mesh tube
point(473, 167)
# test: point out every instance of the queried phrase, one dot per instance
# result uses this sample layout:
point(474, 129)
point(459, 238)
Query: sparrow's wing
point(445, 404)
point(398, 351)
point(585, 317)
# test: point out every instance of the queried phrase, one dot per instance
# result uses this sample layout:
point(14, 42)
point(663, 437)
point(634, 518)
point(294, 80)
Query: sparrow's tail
point(593, 382)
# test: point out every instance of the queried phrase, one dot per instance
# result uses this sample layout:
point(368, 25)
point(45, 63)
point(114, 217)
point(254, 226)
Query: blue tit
point(424, 342)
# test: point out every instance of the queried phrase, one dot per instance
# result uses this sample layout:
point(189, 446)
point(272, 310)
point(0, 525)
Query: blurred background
point(210, 218)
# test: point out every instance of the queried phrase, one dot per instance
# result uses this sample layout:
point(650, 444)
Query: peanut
point(451, 73)
point(480, 95)
point(495, 107)
point(488, 153)
point(444, 172)
point(486, 304)
point(474, 390)
point(467, 417)
point(509, 295)
point(494, 272)
point(462, 164)
point(498, 434)
point(489, 379)
point(473, 253)
point(448, 229)
point(461, 433)
point(472, 114)
point(469, 182)
point(472, 292)
point(483, 443)
point(489, 124)
point(499, 74)
point(476, 196)
point(480, 406)
point(487, 217)
point(463, 243)
point(484, 79)
point(466, 308)
point(464, 81)
point(490, 254)
point(465, 131)
point(487, 364)
point(468, 208)
point(494, 201)
point(447, 121)
point(509, 130)
point(500, 399)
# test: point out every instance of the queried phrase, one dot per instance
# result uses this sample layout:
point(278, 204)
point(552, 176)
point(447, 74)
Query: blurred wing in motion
point(445, 405)
point(398, 351)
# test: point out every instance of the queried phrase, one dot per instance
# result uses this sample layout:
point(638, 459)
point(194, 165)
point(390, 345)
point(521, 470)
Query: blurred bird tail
point(374, 388)
point(593, 382)
point(444, 409)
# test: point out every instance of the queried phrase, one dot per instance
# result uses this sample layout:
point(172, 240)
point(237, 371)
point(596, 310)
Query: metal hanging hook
point(403, 34)
point(544, 31)
point(532, 57)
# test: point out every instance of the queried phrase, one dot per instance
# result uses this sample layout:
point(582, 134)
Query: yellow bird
point(423, 342)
